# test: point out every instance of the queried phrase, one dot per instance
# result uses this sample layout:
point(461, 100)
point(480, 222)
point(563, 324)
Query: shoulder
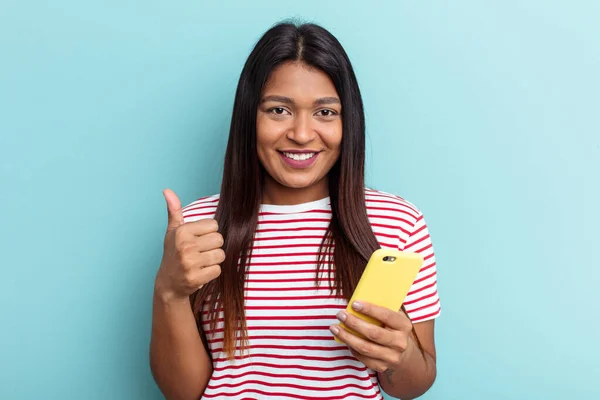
point(203, 208)
point(392, 216)
point(392, 206)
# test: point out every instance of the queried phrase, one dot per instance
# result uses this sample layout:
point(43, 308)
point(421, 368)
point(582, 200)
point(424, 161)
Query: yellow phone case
point(385, 283)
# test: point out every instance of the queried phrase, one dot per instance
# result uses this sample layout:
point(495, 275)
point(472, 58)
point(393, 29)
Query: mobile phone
point(385, 282)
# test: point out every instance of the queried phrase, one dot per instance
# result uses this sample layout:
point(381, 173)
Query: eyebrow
point(327, 100)
point(286, 100)
point(278, 99)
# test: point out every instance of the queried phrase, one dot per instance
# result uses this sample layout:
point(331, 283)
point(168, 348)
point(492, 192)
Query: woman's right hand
point(192, 254)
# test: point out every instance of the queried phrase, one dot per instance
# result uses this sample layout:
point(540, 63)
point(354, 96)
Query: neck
point(275, 193)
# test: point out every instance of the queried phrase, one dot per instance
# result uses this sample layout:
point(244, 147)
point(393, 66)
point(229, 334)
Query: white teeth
point(299, 157)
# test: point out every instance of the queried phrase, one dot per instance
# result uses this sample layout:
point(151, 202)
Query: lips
point(299, 160)
point(299, 156)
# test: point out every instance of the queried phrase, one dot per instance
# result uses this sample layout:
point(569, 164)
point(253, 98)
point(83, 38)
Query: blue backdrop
point(484, 114)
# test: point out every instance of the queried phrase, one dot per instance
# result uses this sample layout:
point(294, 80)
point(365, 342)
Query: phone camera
point(389, 259)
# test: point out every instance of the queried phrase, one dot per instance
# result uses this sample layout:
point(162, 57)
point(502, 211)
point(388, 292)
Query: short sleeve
point(422, 302)
point(203, 208)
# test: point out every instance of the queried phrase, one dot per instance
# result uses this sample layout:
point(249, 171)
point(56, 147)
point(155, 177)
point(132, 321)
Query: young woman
point(254, 281)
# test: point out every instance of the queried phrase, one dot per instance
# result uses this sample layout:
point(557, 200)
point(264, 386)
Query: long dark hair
point(349, 236)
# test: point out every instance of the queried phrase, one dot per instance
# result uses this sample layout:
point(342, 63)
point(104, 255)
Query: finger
point(362, 346)
point(210, 241)
point(174, 209)
point(201, 227)
point(392, 319)
point(372, 332)
point(205, 275)
point(212, 257)
point(193, 260)
point(375, 365)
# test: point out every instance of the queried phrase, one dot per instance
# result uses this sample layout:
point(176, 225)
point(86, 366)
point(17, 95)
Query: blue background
point(484, 114)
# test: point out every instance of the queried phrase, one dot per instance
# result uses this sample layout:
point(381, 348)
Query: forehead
point(299, 80)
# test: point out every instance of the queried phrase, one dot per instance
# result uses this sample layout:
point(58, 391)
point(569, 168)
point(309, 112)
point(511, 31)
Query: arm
point(403, 371)
point(416, 373)
point(179, 361)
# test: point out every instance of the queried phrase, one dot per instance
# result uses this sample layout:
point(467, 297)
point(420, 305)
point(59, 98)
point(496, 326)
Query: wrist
point(407, 354)
point(166, 296)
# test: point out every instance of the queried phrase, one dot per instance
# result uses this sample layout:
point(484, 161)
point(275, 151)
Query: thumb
point(173, 209)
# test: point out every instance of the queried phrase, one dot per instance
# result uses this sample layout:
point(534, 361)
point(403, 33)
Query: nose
point(302, 131)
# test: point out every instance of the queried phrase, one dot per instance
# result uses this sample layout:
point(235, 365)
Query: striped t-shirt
point(292, 354)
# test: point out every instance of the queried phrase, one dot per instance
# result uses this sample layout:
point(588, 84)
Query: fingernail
point(357, 305)
point(334, 329)
point(341, 316)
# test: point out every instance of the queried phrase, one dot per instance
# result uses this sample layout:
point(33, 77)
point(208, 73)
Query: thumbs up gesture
point(192, 253)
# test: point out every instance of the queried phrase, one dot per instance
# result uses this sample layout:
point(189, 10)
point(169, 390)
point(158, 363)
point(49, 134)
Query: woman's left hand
point(386, 346)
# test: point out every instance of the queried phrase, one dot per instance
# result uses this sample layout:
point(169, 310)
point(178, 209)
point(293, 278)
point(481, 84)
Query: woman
point(254, 281)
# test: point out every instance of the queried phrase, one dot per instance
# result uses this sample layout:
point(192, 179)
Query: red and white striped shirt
point(292, 354)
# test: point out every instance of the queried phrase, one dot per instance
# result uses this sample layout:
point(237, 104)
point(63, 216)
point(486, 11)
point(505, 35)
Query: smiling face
point(299, 132)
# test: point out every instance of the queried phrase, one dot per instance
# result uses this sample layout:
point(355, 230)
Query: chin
point(297, 183)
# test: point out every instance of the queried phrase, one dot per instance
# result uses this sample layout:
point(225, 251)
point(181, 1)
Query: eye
point(277, 110)
point(326, 113)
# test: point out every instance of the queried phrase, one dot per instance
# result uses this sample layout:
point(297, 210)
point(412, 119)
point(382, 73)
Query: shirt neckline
point(321, 204)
